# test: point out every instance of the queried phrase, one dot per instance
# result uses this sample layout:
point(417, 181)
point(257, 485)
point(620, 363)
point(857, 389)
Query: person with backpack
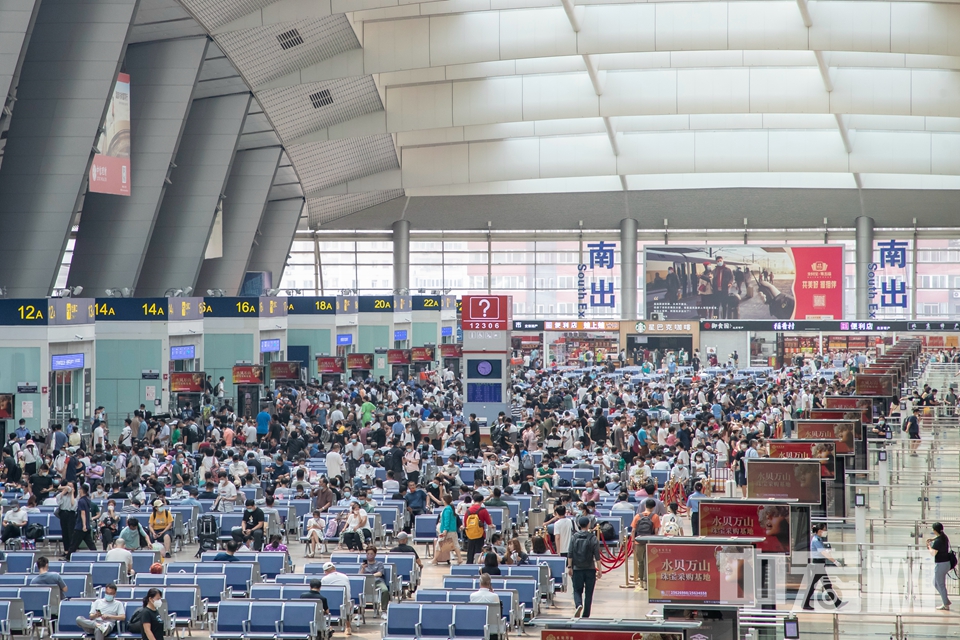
point(475, 523)
point(944, 561)
point(583, 565)
point(645, 523)
point(147, 620)
point(670, 524)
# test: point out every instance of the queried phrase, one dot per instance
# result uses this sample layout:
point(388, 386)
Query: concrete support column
point(628, 269)
point(401, 254)
point(864, 239)
point(275, 237)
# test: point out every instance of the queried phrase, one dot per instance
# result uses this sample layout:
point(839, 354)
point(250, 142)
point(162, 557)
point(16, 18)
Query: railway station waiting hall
point(479, 319)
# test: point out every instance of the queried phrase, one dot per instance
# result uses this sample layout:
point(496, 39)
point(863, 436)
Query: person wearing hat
point(333, 578)
point(160, 526)
point(402, 547)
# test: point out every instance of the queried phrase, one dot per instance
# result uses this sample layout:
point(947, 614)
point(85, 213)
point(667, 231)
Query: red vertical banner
point(110, 169)
point(818, 286)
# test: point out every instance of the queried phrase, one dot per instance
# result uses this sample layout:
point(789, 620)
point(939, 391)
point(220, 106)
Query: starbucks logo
point(640, 327)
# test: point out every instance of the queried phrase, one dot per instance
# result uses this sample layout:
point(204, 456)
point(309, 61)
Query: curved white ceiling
point(376, 98)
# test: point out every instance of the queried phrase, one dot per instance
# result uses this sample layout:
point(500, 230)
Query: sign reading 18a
point(323, 305)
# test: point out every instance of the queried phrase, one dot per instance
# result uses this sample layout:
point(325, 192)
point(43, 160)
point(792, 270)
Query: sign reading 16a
point(246, 307)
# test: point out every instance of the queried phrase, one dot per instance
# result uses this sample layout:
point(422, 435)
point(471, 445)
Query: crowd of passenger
point(683, 422)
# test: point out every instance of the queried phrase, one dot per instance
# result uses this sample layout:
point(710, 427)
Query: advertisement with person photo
point(700, 574)
point(778, 479)
point(769, 521)
point(744, 282)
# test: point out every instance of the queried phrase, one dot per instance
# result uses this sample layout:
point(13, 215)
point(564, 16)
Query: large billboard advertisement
point(110, 170)
point(735, 518)
point(700, 574)
point(744, 282)
point(780, 479)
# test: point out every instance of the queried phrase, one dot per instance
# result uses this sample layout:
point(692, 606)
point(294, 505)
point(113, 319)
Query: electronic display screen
point(484, 369)
point(269, 346)
point(344, 339)
point(484, 392)
point(185, 352)
point(66, 362)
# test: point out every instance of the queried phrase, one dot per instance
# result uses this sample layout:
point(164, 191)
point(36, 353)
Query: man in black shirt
point(474, 434)
point(14, 472)
point(314, 594)
point(403, 547)
point(253, 524)
point(41, 483)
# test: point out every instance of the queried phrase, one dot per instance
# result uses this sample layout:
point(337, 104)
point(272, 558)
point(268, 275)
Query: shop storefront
point(565, 342)
point(644, 340)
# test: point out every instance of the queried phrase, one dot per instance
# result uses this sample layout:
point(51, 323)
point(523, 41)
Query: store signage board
point(827, 325)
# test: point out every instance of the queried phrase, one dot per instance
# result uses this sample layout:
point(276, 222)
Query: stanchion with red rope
point(610, 561)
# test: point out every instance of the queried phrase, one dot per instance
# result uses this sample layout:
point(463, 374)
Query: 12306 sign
point(487, 312)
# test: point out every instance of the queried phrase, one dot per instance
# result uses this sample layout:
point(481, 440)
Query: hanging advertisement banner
point(110, 170)
point(700, 573)
point(769, 521)
point(779, 479)
point(744, 282)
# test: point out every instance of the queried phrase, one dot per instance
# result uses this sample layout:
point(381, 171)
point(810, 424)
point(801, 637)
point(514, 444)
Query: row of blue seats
point(510, 606)
point(528, 589)
point(441, 621)
point(270, 620)
point(70, 610)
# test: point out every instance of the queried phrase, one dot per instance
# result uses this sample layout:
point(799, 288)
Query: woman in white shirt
point(315, 531)
point(356, 522)
point(227, 497)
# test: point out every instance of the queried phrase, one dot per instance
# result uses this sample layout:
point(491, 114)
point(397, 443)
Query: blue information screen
point(270, 346)
point(344, 339)
point(185, 352)
point(400, 334)
point(66, 362)
point(446, 331)
point(484, 392)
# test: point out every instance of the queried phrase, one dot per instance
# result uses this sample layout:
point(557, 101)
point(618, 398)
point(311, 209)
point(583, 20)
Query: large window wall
point(540, 269)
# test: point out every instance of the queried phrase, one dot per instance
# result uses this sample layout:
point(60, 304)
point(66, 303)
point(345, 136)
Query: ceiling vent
point(321, 98)
point(290, 39)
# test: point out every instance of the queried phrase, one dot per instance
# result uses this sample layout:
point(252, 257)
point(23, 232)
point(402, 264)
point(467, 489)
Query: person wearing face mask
point(820, 556)
point(354, 453)
point(254, 524)
point(109, 524)
point(365, 474)
point(105, 613)
point(346, 499)
point(160, 526)
point(411, 463)
point(150, 616)
point(881, 429)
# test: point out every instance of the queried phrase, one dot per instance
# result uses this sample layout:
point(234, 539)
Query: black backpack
point(644, 526)
point(581, 549)
point(607, 531)
point(136, 622)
